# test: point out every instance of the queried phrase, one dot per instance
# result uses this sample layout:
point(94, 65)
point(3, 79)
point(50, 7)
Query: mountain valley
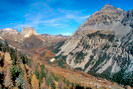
point(99, 55)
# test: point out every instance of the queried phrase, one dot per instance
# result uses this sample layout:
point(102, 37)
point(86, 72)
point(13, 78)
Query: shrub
point(79, 57)
point(61, 63)
point(37, 72)
point(56, 78)
point(40, 75)
point(16, 72)
point(43, 70)
point(20, 82)
point(49, 80)
point(25, 60)
point(57, 46)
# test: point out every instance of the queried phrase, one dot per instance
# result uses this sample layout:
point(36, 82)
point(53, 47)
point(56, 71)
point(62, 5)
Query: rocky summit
point(28, 31)
point(103, 46)
point(108, 18)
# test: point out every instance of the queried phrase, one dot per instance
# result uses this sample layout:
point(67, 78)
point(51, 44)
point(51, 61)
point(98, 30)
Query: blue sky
point(52, 16)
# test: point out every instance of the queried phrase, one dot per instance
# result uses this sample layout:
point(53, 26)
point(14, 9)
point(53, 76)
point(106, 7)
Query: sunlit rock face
point(103, 45)
point(28, 31)
point(8, 31)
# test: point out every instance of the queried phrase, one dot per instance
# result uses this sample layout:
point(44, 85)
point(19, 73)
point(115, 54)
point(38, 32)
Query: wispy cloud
point(47, 16)
point(59, 22)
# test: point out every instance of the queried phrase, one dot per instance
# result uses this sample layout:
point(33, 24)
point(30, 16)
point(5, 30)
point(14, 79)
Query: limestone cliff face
point(102, 52)
point(28, 31)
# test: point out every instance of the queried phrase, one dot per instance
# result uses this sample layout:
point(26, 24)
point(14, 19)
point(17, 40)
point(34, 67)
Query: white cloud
point(67, 34)
point(73, 15)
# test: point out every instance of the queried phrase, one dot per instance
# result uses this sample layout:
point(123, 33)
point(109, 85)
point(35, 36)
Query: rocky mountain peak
point(107, 15)
point(9, 30)
point(111, 8)
point(28, 31)
point(107, 18)
point(108, 6)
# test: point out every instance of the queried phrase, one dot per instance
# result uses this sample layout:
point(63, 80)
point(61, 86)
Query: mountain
point(102, 46)
point(29, 41)
point(19, 71)
point(108, 18)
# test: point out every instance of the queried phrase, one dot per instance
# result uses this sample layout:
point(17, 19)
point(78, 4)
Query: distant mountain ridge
point(26, 31)
point(29, 41)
